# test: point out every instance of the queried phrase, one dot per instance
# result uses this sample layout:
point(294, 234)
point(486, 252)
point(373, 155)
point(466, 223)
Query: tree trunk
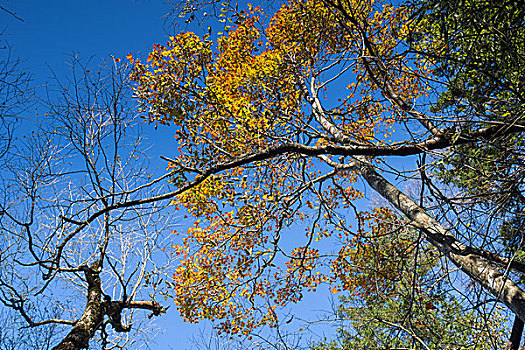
point(515, 337)
point(481, 270)
point(96, 309)
point(92, 317)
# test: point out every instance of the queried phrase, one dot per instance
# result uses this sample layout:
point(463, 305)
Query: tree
point(401, 296)
point(74, 262)
point(480, 74)
point(16, 335)
point(278, 119)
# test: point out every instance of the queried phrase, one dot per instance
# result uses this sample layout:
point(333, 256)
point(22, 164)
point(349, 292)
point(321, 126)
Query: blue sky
point(54, 28)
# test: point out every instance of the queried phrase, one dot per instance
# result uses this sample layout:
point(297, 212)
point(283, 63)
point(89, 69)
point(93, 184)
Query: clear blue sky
point(54, 28)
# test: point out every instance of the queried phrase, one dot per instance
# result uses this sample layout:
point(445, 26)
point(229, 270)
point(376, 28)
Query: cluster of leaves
point(478, 49)
point(256, 166)
point(478, 46)
point(244, 95)
point(402, 301)
point(375, 259)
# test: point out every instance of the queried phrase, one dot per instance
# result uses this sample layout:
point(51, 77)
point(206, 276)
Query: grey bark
point(515, 337)
point(92, 317)
point(480, 269)
point(97, 308)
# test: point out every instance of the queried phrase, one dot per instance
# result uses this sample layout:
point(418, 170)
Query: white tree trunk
point(478, 268)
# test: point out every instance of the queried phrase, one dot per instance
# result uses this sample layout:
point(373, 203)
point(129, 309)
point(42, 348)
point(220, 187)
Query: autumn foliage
point(271, 224)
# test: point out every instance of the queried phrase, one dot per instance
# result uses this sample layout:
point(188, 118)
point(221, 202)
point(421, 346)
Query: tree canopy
point(279, 118)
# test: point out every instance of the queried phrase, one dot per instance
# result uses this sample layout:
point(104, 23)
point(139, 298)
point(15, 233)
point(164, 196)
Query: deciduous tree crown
point(278, 118)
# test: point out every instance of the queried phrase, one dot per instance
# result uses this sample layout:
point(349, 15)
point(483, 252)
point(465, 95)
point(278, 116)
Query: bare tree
point(70, 256)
